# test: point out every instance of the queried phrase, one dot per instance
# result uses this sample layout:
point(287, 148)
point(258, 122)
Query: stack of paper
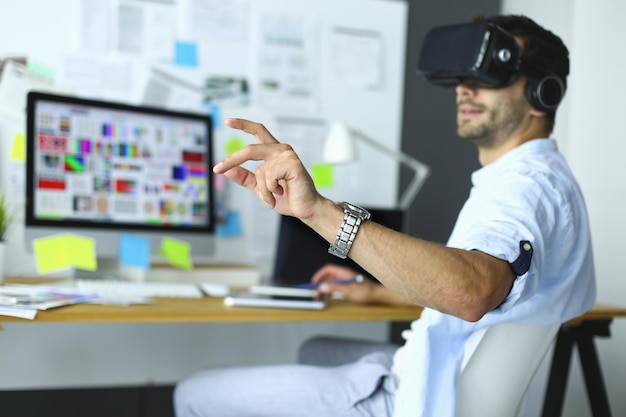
point(24, 301)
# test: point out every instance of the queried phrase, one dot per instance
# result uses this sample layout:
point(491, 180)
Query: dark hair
point(539, 45)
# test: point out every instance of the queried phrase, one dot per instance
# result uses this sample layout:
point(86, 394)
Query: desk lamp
point(340, 148)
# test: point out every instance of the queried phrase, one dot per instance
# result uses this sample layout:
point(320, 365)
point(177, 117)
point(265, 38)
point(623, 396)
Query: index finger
point(258, 130)
point(254, 152)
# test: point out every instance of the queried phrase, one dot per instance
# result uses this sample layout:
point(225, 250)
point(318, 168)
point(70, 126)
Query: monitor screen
point(102, 169)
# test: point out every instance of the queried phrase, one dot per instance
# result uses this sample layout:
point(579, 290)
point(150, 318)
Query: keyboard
point(126, 289)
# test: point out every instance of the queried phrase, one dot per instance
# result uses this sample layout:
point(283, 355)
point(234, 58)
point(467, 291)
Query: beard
point(503, 118)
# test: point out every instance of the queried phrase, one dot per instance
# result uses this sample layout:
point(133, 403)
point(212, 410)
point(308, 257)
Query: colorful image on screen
point(110, 165)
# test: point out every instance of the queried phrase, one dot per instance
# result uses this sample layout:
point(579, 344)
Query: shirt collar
point(532, 147)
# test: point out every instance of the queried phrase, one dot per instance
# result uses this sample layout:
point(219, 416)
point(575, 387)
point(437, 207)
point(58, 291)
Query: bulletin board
point(294, 66)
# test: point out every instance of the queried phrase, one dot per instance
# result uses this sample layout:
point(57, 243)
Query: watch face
point(355, 210)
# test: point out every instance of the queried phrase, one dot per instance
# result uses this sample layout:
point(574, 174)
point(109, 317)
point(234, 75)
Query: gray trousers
point(357, 389)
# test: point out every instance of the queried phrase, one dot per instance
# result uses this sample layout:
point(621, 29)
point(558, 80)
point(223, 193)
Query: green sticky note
point(82, 252)
point(233, 145)
point(18, 148)
point(177, 253)
point(41, 69)
point(322, 175)
point(51, 254)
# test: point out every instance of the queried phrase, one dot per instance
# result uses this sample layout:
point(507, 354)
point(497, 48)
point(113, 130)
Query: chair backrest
point(498, 366)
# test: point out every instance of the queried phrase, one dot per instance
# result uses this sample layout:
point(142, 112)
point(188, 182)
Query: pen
point(343, 281)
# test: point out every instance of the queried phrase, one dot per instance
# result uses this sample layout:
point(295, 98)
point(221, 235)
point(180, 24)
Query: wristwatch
point(352, 218)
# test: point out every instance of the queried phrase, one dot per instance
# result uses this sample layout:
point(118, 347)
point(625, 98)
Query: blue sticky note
point(135, 251)
point(186, 54)
point(216, 114)
point(231, 226)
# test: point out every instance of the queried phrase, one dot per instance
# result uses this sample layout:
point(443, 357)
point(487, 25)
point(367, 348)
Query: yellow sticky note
point(63, 251)
point(177, 253)
point(323, 176)
point(18, 148)
point(82, 252)
point(51, 254)
point(233, 145)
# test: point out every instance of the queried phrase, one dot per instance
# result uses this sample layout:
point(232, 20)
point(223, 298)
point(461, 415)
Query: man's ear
point(537, 113)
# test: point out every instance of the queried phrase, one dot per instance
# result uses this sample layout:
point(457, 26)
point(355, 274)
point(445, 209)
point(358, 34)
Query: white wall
point(51, 355)
point(590, 132)
point(60, 45)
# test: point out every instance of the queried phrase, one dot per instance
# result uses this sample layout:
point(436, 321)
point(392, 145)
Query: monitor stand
point(110, 269)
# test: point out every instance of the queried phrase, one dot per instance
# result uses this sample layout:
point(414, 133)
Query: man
point(520, 250)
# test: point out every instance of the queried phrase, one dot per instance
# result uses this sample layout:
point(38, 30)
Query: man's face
point(487, 117)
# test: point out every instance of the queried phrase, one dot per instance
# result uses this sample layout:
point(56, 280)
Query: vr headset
point(484, 54)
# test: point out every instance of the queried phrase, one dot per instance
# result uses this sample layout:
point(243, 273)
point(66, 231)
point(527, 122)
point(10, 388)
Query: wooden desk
point(580, 331)
point(208, 309)
point(600, 311)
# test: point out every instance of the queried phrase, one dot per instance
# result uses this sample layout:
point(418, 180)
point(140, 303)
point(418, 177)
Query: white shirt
point(528, 194)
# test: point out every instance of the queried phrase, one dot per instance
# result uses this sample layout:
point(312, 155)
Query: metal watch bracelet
point(352, 218)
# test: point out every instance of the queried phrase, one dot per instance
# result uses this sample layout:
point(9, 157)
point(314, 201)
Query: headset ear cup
point(546, 93)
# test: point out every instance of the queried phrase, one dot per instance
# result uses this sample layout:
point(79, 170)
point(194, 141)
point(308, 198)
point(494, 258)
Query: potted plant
point(6, 216)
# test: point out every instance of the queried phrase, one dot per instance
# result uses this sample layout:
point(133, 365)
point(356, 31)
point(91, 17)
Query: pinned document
point(135, 251)
point(177, 252)
point(17, 81)
point(63, 251)
point(18, 147)
point(233, 145)
point(215, 110)
point(186, 54)
point(231, 225)
point(322, 175)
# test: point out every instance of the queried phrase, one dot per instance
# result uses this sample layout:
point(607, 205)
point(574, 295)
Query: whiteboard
point(335, 60)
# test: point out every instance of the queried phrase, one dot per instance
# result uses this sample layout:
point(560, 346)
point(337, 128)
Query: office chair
point(498, 364)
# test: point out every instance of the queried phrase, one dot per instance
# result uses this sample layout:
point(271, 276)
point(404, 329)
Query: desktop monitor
point(300, 251)
point(102, 169)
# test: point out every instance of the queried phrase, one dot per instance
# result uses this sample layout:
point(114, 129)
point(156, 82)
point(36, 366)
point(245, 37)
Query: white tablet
point(282, 290)
point(250, 299)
